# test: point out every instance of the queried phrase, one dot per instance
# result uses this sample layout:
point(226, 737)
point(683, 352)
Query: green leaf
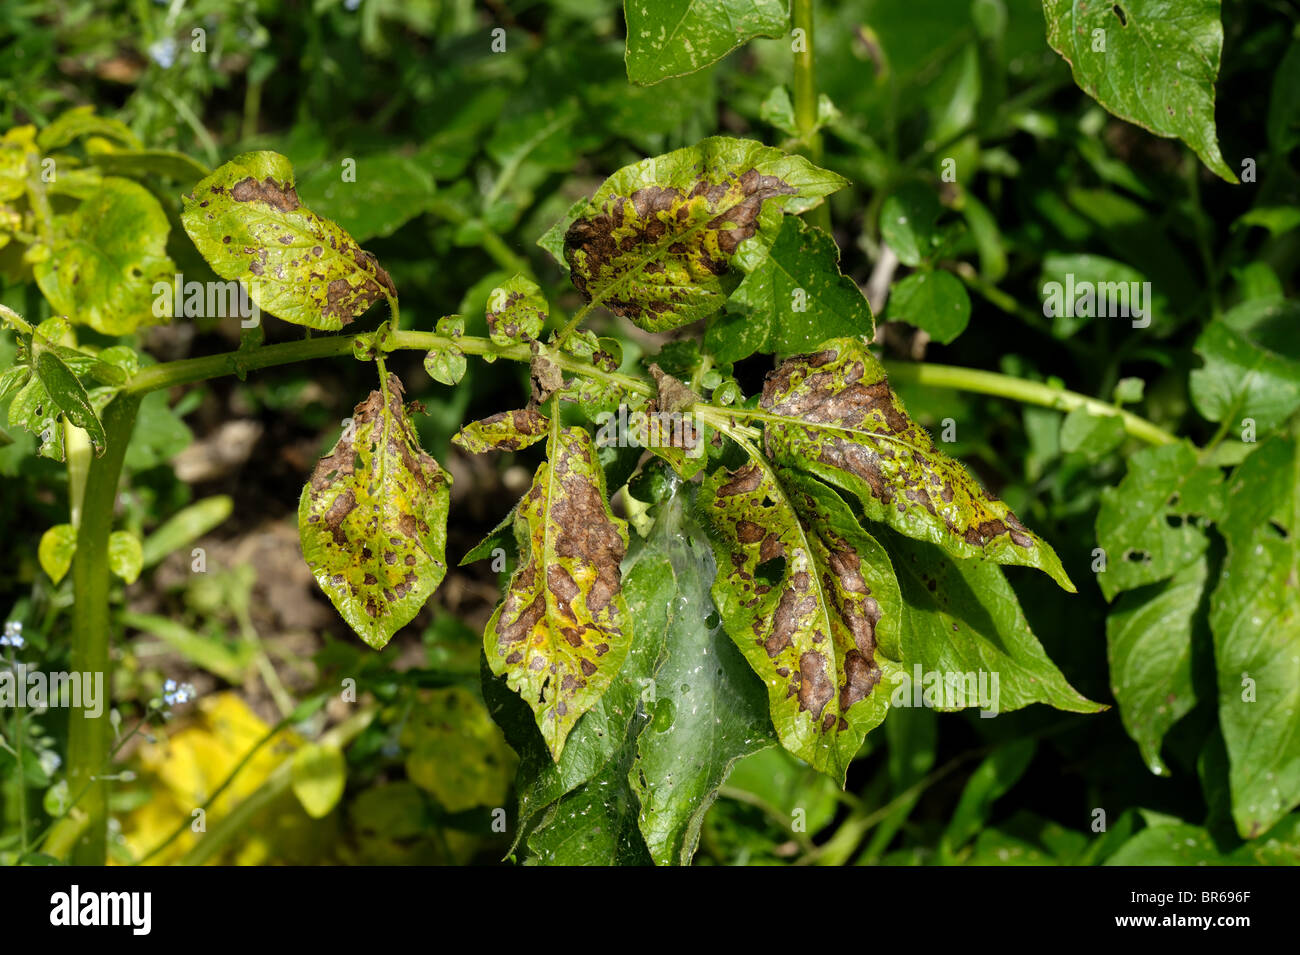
point(810, 600)
point(778, 109)
point(504, 431)
point(1252, 366)
point(455, 752)
point(1091, 435)
point(186, 526)
point(69, 397)
point(138, 163)
point(667, 38)
point(516, 311)
point(1149, 644)
point(1076, 272)
point(935, 302)
point(909, 223)
point(1181, 844)
point(707, 708)
point(109, 253)
point(33, 409)
point(656, 242)
point(563, 630)
point(960, 616)
point(228, 661)
point(382, 193)
point(447, 365)
point(81, 121)
point(1255, 619)
point(125, 555)
point(56, 549)
point(1284, 102)
point(595, 825)
point(373, 519)
point(1152, 524)
point(249, 224)
point(318, 775)
point(991, 780)
point(793, 299)
point(1155, 70)
point(838, 418)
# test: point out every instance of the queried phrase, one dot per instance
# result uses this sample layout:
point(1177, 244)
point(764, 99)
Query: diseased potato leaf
point(503, 431)
point(563, 630)
point(249, 224)
point(657, 241)
point(1255, 619)
point(667, 38)
point(516, 311)
point(1152, 524)
point(849, 428)
point(373, 519)
point(811, 601)
point(603, 731)
point(108, 253)
point(1154, 66)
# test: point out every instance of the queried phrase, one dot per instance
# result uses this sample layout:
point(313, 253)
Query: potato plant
point(739, 555)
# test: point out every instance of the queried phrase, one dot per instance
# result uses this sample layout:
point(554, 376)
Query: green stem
point(572, 324)
point(1018, 389)
point(20, 775)
point(805, 101)
point(89, 737)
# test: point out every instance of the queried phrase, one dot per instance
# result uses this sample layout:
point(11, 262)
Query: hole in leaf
point(1137, 556)
point(770, 571)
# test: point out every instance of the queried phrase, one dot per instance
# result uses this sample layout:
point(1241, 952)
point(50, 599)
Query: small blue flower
point(163, 52)
point(175, 693)
point(13, 635)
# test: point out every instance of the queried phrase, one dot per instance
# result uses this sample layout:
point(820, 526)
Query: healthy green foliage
point(792, 300)
point(1255, 617)
point(667, 38)
point(1147, 66)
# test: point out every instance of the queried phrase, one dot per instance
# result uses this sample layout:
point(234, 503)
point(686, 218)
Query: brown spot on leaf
point(268, 191)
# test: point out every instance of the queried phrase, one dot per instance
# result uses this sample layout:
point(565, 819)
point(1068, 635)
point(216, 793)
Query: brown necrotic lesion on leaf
point(809, 598)
point(373, 519)
point(846, 425)
point(504, 431)
point(562, 632)
point(656, 256)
